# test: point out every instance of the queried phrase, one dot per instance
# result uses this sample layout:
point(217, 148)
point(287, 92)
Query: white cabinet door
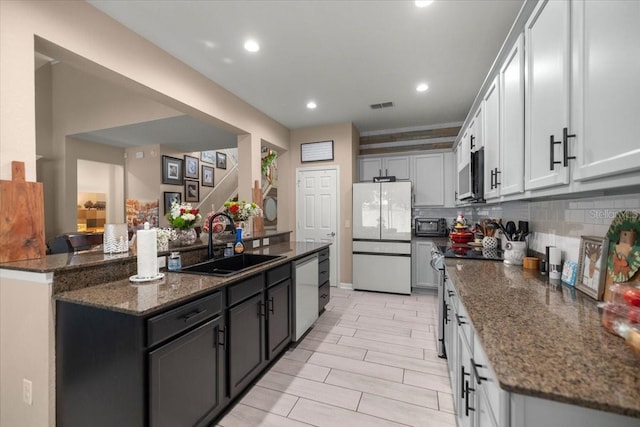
point(424, 276)
point(449, 179)
point(511, 169)
point(476, 139)
point(369, 167)
point(398, 166)
point(491, 140)
point(547, 94)
point(606, 87)
point(464, 165)
point(428, 179)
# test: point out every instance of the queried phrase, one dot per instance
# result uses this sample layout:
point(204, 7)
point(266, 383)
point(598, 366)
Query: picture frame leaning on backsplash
point(592, 266)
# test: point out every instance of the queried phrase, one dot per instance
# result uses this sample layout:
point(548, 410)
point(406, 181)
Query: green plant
point(267, 161)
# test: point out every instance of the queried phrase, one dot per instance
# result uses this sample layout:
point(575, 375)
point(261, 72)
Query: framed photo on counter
point(592, 266)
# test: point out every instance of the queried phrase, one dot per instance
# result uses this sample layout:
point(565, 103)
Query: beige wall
point(68, 30)
point(26, 348)
point(344, 137)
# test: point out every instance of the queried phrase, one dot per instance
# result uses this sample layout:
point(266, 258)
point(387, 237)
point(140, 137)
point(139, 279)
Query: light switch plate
point(162, 261)
point(256, 243)
point(265, 242)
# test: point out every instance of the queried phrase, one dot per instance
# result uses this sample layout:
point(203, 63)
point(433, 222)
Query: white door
point(606, 88)
point(512, 121)
point(317, 212)
point(547, 94)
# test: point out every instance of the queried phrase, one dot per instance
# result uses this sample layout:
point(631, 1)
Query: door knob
point(332, 234)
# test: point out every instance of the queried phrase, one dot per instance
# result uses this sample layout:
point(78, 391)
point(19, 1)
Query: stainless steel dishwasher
point(305, 276)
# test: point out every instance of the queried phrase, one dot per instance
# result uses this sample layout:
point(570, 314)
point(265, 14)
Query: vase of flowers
point(183, 217)
point(242, 212)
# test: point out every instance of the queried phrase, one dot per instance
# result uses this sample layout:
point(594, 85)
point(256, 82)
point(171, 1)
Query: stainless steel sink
point(230, 265)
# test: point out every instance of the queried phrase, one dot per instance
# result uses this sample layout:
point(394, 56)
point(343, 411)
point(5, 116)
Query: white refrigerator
point(382, 237)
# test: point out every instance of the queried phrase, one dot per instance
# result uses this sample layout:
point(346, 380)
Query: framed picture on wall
point(207, 176)
point(221, 160)
point(169, 198)
point(191, 191)
point(191, 167)
point(171, 170)
point(208, 156)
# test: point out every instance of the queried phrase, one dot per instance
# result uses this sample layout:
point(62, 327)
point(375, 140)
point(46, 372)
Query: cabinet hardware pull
point(451, 293)
point(473, 138)
point(222, 332)
point(468, 408)
point(446, 313)
point(475, 367)
point(565, 146)
point(460, 322)
point(261, 308)
point(271, 305)
point(462, 380)
point(492, 176)
point(497, 182)
point(552, 161)
point(193, 314)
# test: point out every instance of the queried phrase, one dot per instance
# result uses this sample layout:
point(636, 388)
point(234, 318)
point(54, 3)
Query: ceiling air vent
point(381, 105)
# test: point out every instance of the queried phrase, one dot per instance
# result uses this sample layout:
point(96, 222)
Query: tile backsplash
point(552, 222)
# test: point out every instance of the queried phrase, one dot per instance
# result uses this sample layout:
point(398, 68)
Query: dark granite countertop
point(145, 298)
point(84, 259)
point(546, 340)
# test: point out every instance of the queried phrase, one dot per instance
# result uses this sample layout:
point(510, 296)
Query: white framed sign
point(316, 151)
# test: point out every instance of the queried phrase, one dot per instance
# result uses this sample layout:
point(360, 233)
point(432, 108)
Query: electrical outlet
point(162, 261)
point(27, 391)
point(256, 243)
point(265, 242)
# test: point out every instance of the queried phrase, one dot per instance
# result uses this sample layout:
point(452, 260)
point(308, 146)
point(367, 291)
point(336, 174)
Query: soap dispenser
point(238, 247)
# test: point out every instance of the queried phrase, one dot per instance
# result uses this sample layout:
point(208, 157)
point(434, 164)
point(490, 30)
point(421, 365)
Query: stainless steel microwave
point(430, 227)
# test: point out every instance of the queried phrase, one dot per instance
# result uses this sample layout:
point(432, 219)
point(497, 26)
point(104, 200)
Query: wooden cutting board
point(21, 217)
point(258, 221)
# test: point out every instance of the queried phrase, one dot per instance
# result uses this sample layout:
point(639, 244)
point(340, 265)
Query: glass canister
point(175, 261)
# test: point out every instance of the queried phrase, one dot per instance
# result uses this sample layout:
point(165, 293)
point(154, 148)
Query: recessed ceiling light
point(251, 46)
point(209, 44)
point(311, 105)
point(422, 87)
point(423, 3)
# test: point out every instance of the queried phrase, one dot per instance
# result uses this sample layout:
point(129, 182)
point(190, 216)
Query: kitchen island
point(177, 350)
point(544, 346)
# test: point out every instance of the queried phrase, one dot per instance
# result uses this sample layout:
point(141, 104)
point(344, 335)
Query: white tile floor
point(370, 360)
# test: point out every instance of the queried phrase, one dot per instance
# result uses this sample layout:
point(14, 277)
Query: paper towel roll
point(147, 252)
point(555, 256)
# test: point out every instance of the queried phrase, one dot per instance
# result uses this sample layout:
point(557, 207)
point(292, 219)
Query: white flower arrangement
point(183, 215)
point(242, 211)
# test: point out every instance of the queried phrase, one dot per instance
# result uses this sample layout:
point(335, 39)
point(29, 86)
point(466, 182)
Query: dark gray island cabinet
point(177, 366)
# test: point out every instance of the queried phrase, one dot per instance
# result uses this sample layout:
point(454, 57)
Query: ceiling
point(182, 133)
point(344, 55)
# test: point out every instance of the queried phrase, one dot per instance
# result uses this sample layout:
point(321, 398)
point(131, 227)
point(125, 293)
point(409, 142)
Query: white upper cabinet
point(476, 139)
point(605, 88)
point(400, 167)
point(428, 179)
point(370, 167)
point(511, 170)
point(491, 140)
point(463, 154)
point(547, 95)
